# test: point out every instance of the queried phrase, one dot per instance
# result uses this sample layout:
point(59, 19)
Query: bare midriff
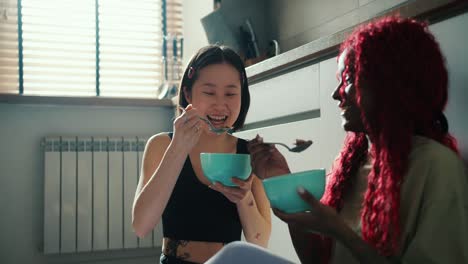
point(193, 251)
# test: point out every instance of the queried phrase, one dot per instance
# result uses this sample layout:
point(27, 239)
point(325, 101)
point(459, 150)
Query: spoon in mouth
point(214, 129)
point(217, 131)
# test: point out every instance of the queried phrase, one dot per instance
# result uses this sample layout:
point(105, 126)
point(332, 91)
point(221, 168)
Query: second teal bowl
point(282, 190)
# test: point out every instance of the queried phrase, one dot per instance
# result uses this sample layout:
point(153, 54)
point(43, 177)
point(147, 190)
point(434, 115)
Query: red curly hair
point(398, 64)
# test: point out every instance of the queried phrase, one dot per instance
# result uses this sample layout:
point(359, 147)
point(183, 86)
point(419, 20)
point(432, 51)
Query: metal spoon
point(214, 129)
point(301, 145)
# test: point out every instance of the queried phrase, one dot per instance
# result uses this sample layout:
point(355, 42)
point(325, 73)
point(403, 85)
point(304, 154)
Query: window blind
point(8, 47)
point(59, 47)
point(174, 17)
point(109, 48)
point(130, 34)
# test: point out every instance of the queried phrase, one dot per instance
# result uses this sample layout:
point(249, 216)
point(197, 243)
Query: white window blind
point(8, 47)
point(109, 48)
point(174, 27)
point(130, 48)
point(59, 47)
point(174, 17)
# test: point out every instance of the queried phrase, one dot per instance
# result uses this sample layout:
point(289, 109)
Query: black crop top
point(197, 213)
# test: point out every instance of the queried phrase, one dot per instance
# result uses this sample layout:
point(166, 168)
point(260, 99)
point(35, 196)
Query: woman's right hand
point(187, 129)
point(266, 160)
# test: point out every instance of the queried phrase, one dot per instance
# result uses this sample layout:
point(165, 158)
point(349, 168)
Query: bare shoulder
point(157, 143)
point(154, 151)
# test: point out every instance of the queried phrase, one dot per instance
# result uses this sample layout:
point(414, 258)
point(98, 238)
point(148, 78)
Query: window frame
point(95, 100)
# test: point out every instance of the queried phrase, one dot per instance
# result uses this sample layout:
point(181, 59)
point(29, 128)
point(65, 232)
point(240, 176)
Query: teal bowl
point(221, 167)
point(282, 190)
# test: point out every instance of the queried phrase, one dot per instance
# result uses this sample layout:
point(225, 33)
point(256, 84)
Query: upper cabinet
point(259, 30)
point(284, 95)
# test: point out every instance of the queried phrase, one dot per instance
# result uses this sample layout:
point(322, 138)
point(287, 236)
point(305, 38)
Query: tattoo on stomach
point(173, 247)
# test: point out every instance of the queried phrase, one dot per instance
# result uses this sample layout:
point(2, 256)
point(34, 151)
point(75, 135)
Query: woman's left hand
point(321, 218)
point(235, 194)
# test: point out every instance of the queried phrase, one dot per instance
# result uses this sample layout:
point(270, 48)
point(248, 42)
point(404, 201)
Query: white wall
point(452, 36)
point(194, 34)
point(306, 92)
point(21, 171)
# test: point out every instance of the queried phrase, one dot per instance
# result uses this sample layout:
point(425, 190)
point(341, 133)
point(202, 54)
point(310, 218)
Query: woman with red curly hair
point(398, 191)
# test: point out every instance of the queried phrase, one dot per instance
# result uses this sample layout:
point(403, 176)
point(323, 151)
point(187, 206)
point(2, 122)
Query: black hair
point(215, 54)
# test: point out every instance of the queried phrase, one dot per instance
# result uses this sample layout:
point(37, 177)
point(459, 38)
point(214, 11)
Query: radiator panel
point(89, 187)
point(52, 196)
point(68, 195)
point(100, 200)
point(116, 197)
point(85, 202)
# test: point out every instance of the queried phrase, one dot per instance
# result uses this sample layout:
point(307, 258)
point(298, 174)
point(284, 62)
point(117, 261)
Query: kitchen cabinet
point(305, 89)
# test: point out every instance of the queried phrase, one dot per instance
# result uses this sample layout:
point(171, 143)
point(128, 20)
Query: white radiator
point(89, 186)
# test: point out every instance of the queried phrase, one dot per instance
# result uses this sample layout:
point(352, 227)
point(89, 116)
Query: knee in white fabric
point(236, 247)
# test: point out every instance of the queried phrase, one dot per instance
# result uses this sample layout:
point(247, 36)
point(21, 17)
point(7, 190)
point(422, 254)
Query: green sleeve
point(441, 235)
